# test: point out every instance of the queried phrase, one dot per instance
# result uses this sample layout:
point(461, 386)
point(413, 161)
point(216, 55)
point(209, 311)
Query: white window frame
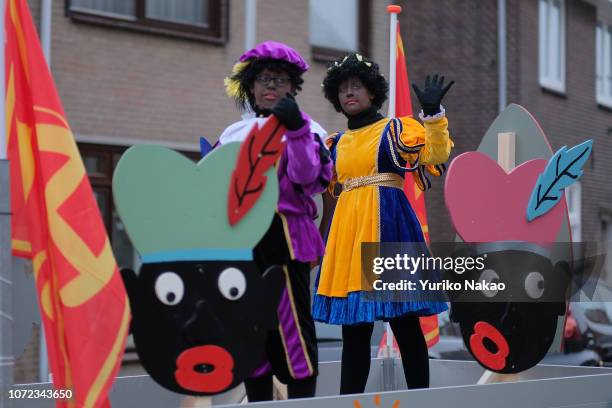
point(573, 197)
point(551, 45)
point(603, 64)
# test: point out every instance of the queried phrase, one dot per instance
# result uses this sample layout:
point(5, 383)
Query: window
point(339, 27)
point(196, 19)
point(573, 197)
point(552, 44)
point(603, 50)
point(100, 162)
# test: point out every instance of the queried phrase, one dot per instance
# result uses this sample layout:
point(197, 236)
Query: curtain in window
point(334, 24)
point(603, 63)
point(124, 7)
point(194, 12)
point(608, 59)
point(552, 44)
point(555, 39)
point(599, 63)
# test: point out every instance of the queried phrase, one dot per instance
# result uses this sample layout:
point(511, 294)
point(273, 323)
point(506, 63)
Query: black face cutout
point(511, 331)
point(200, 327)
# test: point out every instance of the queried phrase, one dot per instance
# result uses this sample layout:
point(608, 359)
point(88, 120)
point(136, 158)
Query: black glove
point(288, 112)
point(431, 97)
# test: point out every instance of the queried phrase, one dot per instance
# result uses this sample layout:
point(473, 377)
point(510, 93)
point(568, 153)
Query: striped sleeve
point(331, 143)
point(430, 143)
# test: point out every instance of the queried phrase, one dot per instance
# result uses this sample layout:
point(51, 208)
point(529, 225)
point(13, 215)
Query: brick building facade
point(450, 37)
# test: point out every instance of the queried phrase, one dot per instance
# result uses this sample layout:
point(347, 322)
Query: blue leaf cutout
point(562, 170)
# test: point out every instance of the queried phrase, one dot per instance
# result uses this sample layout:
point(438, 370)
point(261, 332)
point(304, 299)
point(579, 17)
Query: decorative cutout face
point(514, 335)
point(488, 204)
point(201, 307)
point(200, 327)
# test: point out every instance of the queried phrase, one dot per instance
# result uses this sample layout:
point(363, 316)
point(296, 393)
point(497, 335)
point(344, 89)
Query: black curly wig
point(354, 65)
point(246, 78)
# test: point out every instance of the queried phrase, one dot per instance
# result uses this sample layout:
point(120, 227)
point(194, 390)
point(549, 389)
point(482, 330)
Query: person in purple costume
point(264, 82)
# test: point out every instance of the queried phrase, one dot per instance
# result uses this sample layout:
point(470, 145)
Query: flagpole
point(7, 360)
point(46, 15)
point(250, 24)
point(250, 35)
point(393, 11)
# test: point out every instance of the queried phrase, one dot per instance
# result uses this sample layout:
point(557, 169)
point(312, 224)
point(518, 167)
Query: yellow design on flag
point(416, 191)
point(95, 271)
point(21, 246)
point(56, 222)
point(26, 158)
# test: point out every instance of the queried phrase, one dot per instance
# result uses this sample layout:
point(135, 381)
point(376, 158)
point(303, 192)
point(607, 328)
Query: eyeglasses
point(278, 81)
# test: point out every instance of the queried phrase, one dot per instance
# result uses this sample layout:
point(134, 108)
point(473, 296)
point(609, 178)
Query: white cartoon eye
point(489, 276)
point(534, 285)
point(169, 288)
point(232, 283)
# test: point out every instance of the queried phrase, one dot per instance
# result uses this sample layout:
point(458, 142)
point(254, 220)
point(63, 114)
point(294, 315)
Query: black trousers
point(356, 354)
point(291, 350)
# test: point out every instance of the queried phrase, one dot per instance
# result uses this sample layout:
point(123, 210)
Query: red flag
point(403, 107)
point(403, 103)
point(57, 224)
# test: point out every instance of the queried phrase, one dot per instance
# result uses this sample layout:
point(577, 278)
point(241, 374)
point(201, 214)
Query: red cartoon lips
point(494, 361)
point(206, 369)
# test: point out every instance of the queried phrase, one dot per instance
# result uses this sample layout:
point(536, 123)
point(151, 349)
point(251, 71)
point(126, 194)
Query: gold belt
point(381, 179)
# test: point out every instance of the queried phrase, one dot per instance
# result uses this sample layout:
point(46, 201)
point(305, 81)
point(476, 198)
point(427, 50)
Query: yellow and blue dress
point(370, 163)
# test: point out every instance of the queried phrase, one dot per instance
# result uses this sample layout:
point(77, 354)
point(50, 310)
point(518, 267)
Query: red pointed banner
point(56, 223)
point(403, 107)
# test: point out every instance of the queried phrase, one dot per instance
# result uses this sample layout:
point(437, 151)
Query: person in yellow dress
point(370, 159)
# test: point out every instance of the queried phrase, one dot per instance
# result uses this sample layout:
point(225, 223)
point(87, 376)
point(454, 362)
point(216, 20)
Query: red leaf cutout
point(259, 151)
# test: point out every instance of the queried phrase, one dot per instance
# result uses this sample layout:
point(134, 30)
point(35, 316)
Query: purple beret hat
point(278, 51)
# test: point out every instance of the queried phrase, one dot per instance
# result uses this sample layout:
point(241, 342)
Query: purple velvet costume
point(299, 174)
point(291, 351)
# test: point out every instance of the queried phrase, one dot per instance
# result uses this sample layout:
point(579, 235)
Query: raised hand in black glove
point(288, 112)
point(431, 96)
